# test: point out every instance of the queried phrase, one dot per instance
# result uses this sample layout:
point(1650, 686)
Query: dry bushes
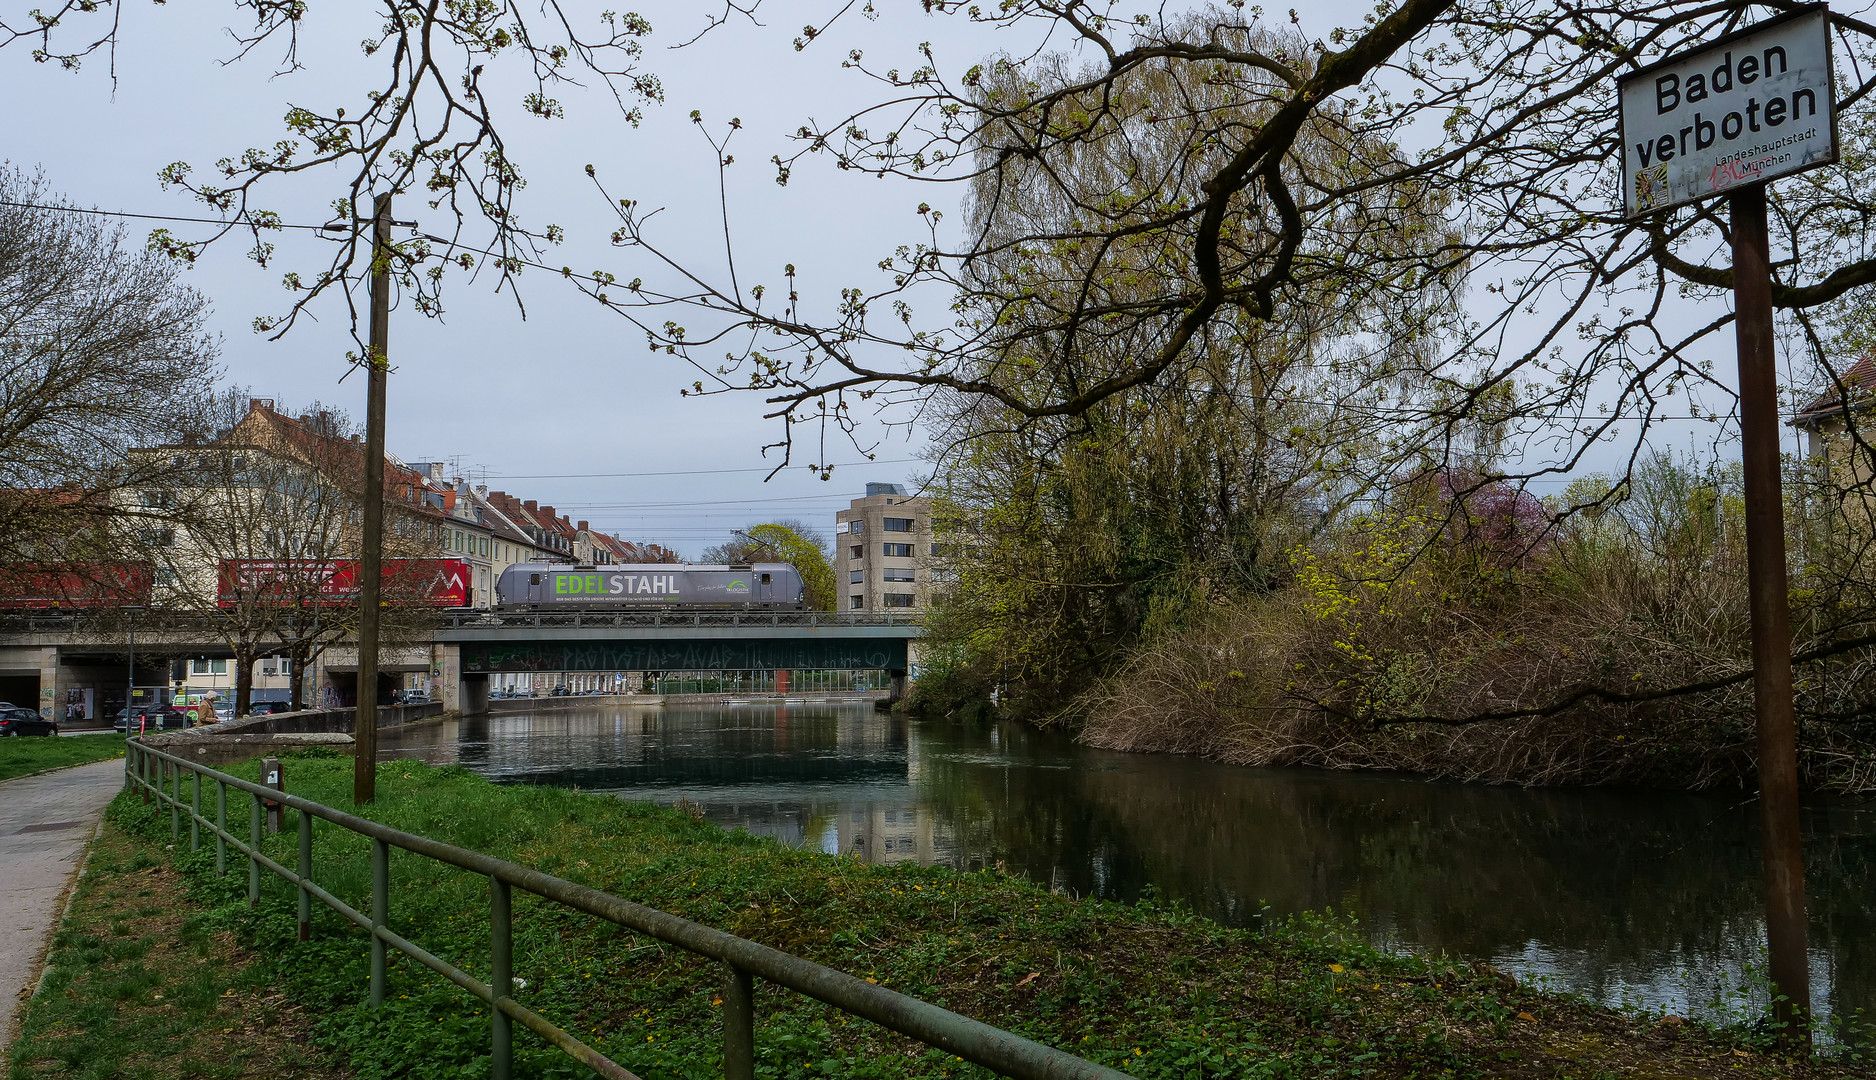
point(1465, 647)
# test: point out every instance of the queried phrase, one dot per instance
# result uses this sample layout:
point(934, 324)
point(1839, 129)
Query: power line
point(678, 472)
point(152, 217)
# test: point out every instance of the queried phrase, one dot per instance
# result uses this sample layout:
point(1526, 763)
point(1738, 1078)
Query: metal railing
point(488, 620)
point(160, 775)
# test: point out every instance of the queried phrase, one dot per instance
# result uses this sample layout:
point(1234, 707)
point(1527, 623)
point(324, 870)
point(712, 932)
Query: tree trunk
point(243, 677)
point(298, 657)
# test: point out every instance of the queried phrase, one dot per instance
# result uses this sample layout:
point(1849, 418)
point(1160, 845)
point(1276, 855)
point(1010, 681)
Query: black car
point(267, 708)
point(152, 718)
point(561, 691)
point(16, 721)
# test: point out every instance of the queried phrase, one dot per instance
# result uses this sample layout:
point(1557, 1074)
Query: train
point(763, 586)
point(68, 586)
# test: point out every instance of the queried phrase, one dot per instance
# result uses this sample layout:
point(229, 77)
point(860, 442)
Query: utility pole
point(365, 730)
point(1782, 843)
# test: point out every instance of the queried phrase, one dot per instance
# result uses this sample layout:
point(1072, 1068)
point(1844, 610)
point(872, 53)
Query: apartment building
point(883, 547)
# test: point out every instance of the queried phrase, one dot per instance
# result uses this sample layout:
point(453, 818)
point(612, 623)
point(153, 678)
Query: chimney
point(532, 506)
point(260, 404)
point(583, 526)
point(552, 518)
point(325, 420)
point(304, 419)
point(482, 490)
point(359, 439)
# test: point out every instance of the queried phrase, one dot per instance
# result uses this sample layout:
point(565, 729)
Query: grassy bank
point(143, 984)
point(1150, 988)
point(19, 757)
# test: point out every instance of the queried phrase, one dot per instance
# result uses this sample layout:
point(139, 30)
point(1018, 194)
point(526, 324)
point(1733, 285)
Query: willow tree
point(1077, 533)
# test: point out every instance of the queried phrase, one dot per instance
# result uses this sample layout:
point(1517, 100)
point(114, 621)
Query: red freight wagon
point(436, 582)
point(83, 585)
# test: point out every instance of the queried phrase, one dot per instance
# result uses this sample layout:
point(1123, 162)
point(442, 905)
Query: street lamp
point(130, 682)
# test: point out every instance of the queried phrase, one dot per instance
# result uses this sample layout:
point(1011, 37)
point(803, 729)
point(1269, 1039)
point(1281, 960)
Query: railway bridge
point(477, 644)
point(48, 659)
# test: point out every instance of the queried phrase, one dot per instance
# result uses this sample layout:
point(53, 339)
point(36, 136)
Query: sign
point(687, 655)
point(1750, 107)
point(315, 582)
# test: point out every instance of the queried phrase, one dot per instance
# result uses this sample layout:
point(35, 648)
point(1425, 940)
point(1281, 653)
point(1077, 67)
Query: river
point(1637, 898)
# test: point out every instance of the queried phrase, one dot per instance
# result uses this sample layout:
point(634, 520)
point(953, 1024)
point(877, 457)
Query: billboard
point(315, 582)
point(1749, 107)
point(55, 586)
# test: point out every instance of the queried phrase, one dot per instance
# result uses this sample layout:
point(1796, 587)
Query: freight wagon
point(773, 586)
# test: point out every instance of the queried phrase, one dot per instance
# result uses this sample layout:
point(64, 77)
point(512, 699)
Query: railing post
point(380, 914)
point(739, 1024)
point(175, 802)
point(221, 828)
point(195, 810)
point(501, 979)
point(273, 777)
point(306, 873)
point(254, 850)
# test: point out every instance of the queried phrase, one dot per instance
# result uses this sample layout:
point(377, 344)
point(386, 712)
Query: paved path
point(45, 822)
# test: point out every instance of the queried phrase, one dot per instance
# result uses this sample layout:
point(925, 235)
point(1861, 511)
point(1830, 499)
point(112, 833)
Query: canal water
point(1637, 898)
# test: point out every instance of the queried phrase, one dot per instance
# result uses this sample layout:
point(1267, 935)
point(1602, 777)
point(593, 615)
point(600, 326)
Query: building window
point(855, 577)
point(896, 551)
point(898, 599)
point(898, 525)
point(156, 500)
point(857, 552)
point(208, 667)
point(856, 602)
point(160, 538)
point(899, 573)
point(856, 526)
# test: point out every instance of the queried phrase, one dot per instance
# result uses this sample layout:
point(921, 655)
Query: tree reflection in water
point(1646, 897)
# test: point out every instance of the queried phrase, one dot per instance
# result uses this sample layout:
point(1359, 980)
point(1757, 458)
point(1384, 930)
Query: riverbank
point(1149, 987)
point(23, 757)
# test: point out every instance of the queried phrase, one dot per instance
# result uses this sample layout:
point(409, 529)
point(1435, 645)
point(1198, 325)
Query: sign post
point(1726, 119)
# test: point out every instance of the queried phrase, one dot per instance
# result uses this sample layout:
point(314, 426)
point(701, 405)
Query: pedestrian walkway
point(45, 822)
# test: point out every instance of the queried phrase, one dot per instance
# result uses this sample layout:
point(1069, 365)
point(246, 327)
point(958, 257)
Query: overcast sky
point(566, 407)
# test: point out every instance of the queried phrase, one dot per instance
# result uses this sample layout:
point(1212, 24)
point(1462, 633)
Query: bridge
point(49, 659)
point(484, 643)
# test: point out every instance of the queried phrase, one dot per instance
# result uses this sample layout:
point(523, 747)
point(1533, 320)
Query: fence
point(160, 775)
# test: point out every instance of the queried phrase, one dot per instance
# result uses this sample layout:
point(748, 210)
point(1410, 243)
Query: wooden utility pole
point(1771, 618)
point(371, 559)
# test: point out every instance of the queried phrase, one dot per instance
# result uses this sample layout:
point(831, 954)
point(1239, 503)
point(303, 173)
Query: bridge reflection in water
point(1622, 896)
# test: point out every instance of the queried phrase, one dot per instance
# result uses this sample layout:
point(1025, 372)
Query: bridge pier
point(474, 697)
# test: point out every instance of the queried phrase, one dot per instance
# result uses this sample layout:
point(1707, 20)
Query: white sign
point(1752, 106)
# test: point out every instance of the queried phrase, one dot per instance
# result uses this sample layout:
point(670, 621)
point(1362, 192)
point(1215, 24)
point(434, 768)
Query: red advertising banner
point(48, 586)
point(437, 582)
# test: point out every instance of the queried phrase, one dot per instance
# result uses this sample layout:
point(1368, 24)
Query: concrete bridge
point(48, 660)
point(477, 644)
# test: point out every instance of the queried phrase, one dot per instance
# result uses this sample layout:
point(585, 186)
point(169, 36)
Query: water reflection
point(1622, 896)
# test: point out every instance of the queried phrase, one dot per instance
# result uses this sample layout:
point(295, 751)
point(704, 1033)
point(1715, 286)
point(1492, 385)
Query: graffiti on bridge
point(684, 656)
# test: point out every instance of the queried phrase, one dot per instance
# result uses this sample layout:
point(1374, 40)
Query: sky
point(566, 405)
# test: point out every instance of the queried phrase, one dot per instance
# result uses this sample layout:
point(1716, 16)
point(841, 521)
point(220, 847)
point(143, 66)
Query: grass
point(19, 757)
point(1150, 988)
point(142, 985)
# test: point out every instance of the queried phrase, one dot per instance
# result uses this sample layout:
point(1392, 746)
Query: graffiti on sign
point(684, 656)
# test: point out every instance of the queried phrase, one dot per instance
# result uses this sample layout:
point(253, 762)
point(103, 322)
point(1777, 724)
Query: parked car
point(267, 708)
point(152, 718)
point(561, 691)
point(15, 721)
point(413, 697)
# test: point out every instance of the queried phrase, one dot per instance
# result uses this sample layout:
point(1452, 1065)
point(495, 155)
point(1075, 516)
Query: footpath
point(45, 822)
